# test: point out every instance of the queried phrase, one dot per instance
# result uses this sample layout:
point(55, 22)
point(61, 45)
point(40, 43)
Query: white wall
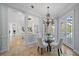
point(76, 27)
point(3, 28)
point(0, 27)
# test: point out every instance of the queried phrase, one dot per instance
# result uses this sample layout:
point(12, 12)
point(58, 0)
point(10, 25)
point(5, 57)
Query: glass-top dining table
point(49, 41)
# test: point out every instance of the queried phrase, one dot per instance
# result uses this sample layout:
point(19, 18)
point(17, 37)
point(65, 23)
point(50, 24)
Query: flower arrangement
point(48, 34)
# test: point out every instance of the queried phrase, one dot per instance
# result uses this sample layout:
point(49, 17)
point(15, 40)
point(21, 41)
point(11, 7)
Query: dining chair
point(41, 45)
point(58, 46)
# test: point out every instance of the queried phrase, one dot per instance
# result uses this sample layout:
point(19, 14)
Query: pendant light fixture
point(48, 20)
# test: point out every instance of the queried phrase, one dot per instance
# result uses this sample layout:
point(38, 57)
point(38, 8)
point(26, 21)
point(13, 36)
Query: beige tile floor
point(19, 48)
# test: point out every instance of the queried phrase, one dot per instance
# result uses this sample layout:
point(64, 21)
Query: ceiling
point(15, 16)
point(40, 10)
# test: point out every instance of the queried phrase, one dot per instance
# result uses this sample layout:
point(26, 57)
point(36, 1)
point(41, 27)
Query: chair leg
point(61, 50)
point(47, 48)
point(41, 51)
point(58, 52)
point(38, 48)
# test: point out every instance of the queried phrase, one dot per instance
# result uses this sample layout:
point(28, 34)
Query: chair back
point(60, 43)
point(40, 43)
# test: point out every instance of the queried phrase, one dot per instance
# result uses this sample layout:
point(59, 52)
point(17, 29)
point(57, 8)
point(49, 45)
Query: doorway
point(15, 28)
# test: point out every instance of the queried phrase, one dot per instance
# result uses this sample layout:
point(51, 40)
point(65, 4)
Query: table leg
point(50, 48)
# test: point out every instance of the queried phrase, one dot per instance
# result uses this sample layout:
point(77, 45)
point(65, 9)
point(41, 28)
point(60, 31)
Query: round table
point(49, 47)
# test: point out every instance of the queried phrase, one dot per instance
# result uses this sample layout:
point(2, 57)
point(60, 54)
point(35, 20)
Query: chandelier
point(48, 20)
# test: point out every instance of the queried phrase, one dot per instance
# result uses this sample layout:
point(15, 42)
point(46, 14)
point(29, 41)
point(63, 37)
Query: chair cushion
point(54, 44)
point(44, 45)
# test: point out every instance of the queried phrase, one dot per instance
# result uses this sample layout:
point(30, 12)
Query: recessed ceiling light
point(47, 6)
point(32, 6)
point(29, 18)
